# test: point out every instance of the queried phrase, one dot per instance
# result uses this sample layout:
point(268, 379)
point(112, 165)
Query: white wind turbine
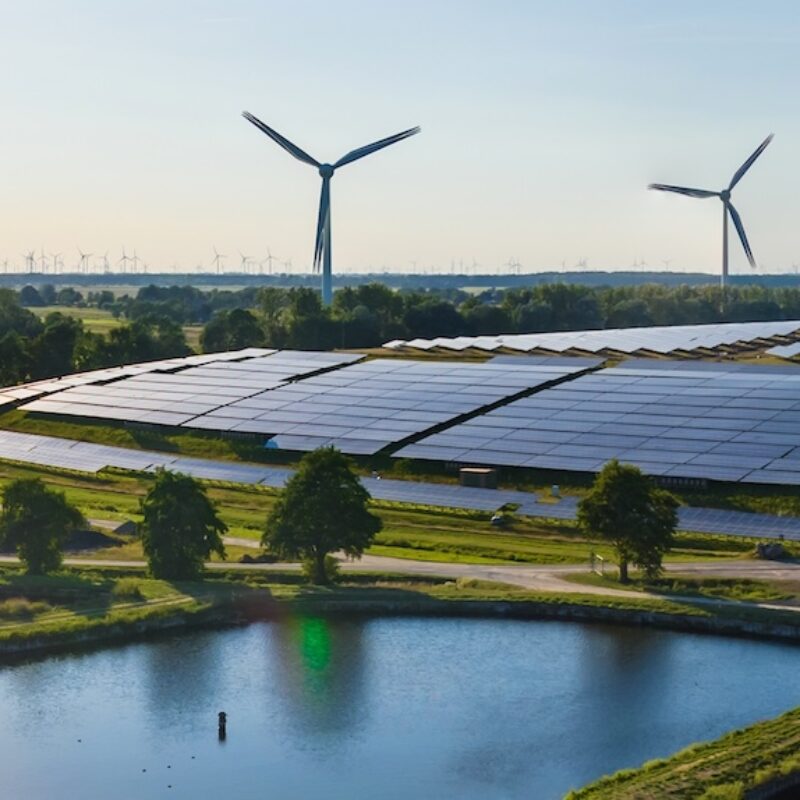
point(124, 260)
point(322, 246)
point(218, 261)
point(83, 264)
point(727, 207)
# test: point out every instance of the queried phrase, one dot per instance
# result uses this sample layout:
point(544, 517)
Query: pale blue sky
point(542, 124)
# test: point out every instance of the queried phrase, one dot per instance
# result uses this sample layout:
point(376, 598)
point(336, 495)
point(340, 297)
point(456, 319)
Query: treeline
point(32, 348)
point(361, 316)
point(368, 316)
point(185, 305)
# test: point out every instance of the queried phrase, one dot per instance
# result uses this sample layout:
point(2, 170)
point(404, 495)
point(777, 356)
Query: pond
point(380, 708)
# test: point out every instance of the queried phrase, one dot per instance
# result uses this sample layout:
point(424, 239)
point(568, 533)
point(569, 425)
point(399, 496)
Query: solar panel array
point(722, 422)
point(36, 389)
point(677, 339)
point(179, 396)
point(364, 407)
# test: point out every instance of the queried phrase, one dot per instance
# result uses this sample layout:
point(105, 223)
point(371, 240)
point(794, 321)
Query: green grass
point(96, 320)
point(744, 590)
point(418, 532)
point(720, 770)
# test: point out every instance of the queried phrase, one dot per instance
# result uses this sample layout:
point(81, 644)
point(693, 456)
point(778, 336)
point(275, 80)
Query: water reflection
point(319, 668)
point(389, 708)
point(181, 676)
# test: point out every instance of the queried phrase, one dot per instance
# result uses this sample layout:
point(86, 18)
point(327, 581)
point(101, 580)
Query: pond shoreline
point(238, 611)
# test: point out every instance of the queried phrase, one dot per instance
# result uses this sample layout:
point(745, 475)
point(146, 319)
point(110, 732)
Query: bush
point(22, 608)
point(127, 589)
point(725, 791)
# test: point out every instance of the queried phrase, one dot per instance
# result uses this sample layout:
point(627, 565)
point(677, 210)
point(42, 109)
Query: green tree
point(322, 509)
point(180, 529)
point(625, 508)
point(36, 521)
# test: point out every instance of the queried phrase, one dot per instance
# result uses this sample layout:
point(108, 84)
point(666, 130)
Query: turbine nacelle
point(326, 170)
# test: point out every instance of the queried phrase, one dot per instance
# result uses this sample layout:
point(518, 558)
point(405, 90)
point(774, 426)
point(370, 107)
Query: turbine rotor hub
point(326, 170)
point(725, 195)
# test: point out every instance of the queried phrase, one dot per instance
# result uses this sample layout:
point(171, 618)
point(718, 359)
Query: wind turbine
point(56, 261)
point(124, 260)
point(84, 262)
point(30, 260)
point(727, 207)
point(268, 261)
point(135, 261)
point(245, 262)
point(217, 260)
point(322, 246)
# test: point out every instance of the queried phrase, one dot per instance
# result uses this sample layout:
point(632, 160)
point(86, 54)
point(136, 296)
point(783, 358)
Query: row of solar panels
point(304, 400)
point(656, 340)
point(723, 422)
point(720, 422)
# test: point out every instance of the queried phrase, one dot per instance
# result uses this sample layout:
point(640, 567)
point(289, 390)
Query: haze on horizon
point(542, 124)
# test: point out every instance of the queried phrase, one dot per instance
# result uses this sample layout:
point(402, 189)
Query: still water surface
point(390, 708)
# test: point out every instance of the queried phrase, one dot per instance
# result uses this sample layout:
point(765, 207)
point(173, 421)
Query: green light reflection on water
point(315, 644)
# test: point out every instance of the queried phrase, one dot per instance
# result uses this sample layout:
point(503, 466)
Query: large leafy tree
point(625, 508)
point(181, 528)
point(322, 509)
point(36, 520)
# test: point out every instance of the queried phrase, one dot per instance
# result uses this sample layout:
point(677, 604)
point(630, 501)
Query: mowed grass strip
point(720, 770)
point(740, 589)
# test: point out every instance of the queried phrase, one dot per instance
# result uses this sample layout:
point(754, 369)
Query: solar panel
point(691, 419)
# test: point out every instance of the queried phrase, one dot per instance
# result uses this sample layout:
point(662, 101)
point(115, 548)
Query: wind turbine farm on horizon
point(88, 263)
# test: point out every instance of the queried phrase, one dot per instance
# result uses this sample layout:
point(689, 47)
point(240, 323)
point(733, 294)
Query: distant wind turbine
point(124, 260)
point(218, 260)
point(727, 207)
point(245, 261)
point(83, 264)
point(322, 246)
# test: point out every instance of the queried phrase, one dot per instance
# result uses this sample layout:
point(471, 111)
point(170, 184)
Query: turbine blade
point(665, 187)
point(737, 223)
point(322, 221)
point(739, 174)
point(281, 140)
point(360, 152)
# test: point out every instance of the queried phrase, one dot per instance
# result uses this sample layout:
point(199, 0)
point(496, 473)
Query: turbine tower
point(322, 246)
point(727, 208)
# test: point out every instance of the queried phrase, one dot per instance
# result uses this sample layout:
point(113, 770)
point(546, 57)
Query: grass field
point(409, 531)
point(98, 320)
point(724, 769)
point(95, 320)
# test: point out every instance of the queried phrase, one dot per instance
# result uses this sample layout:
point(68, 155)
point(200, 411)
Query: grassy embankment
point(67, 606)
point(741, 590)
point(78, 606)
point(726, 769)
